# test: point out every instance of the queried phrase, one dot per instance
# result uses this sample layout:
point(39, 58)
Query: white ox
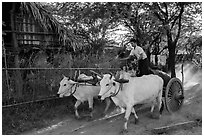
point(139, 90)
point(82, 92)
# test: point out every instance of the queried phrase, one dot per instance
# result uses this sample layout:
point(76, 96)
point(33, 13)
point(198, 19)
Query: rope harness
point(74, 89)
point(120, 87)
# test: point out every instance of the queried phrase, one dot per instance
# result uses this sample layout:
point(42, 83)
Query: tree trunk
point(17, 73)
point(148, 54)
point(156, 59)
point(172, 55)
point(169, 22)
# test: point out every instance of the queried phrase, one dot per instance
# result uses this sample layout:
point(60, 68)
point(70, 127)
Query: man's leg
point(140, 68)
point(144, 67)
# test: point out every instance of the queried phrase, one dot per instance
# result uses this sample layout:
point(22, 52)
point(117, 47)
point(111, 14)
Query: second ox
point(82, 92)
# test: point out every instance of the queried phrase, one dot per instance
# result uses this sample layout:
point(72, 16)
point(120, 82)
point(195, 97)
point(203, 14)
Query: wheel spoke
point(173, 87)
point(170, 93)
point(176, 105)
point(173, 105)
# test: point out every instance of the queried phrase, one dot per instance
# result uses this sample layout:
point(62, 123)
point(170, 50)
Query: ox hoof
point(136, 121)
point(89, 118)
point(124, 131)
point(103, 115)
point(155, 116)
point(78, 117)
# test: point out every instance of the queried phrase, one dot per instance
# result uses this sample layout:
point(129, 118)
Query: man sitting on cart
point(138, 58)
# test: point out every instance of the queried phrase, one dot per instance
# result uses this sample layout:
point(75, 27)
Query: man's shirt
point(138, 52)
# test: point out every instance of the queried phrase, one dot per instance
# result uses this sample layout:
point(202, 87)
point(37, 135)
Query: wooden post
point(182, 73)
point(7, 76)
point(18, 77)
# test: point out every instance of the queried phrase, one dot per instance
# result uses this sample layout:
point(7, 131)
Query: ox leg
point(108, 102)
point(76, 108)
point(160, 103)
point(152, 115)
point(127, 115)
point(90, 101)
point(152, 108)
point(136, 117)
point(161, 108)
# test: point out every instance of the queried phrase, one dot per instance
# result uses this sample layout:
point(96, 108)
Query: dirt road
point(191, 111)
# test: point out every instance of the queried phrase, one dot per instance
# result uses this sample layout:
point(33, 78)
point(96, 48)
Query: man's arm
point(140, 56)
point(129, 57)
point(125, 58)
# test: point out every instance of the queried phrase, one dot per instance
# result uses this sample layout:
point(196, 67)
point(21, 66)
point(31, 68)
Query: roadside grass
point(18, 119)
point(24, 118)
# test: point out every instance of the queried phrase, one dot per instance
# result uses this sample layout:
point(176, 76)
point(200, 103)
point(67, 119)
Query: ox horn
point(111, 75)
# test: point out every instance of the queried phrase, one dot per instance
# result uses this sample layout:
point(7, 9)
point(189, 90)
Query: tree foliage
point(171, 15)
point(157, 25)
point(90, 21)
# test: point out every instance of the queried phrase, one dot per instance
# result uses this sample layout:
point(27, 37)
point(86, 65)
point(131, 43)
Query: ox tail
point(161, 108)
point(160, 100)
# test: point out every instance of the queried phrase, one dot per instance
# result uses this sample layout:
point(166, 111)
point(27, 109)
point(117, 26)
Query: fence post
point(17, 74)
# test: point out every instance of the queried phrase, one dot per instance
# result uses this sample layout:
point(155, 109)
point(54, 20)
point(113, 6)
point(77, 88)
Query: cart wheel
point(174, 95)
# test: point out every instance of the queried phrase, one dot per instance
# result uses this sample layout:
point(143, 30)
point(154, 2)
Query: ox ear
point(65, 76)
